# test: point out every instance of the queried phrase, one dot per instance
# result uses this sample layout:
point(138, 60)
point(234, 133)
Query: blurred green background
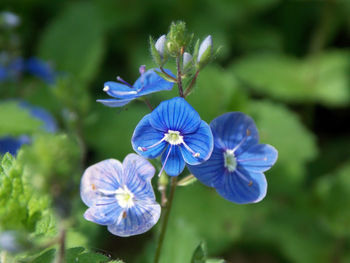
point(286, 63)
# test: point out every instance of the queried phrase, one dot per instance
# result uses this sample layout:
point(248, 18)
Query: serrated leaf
point(16, 120)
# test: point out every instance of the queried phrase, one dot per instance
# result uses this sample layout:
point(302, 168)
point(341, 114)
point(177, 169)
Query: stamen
point(165, 161)
point(106, 192)
point(242, 141)
point(143, 149)
point(194, 154)
point(124, 82)
point(242, 176)
point(142, 69)
point(99, 204)
point(106, 88)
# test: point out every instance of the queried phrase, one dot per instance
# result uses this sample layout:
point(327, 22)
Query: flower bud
point(205, 51)
point(187, 59)
point(160, 45)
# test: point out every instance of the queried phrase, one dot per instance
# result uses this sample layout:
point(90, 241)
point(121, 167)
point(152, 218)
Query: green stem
point(190, 87)
point(179, 77)
point(165, 220)
point(170, 77)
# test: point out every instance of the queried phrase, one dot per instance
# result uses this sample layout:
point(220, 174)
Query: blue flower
point(121, 196)
point(148, 82)
point(41, 69)
point(235, 168)
point(175, 131)
point(13, 144)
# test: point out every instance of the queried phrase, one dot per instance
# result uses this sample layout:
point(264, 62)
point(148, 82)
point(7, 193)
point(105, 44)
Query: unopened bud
point(187, 59)
point(205, 51)
point(160, 45)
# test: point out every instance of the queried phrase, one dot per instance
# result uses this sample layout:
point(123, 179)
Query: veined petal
point(150, 82)
point(211, 172)
point(135, 164)
point(114, 102)
point(175, 114)
point(136, 220)
point(119, 90)
point(199, 142)
point(242, 187)
point(98, 178)
point(103, 214)
point(175, 163)
point(258, 158)
point(145, 136)
point(234, 129)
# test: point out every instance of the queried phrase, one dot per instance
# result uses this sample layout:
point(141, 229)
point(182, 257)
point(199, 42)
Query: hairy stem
point(165, 220)
point(149, 105)
point(190, 87)
point(179, 76)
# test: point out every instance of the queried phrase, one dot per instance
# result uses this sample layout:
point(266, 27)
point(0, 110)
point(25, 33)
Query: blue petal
point(150, 82)
point(230, 129)
point(104, 213)
point(144, 136)
point(105, 176)
point(41, 69)
point(212, 171)
point(10, 145)
point(175, 163)
point(200, 142)
point(135, 165)
point(119, 90)
point(242, 187)
point(175, 114)
point(136, 220)
point(114, 102)
point(258, 158)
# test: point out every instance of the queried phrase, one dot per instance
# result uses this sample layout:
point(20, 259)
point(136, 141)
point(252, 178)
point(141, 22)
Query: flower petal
point(150, 82)
point(175, 114)
point(136, 165)
point(136, 220)
point(258, 158)
point(104, 214)
point(242, 187)
point(233, 129)
point(119, 90)
point(105, 175)
point(175, 163)
point(212, 171)
point(114, 102)
point(145, 136)
point(200, 142)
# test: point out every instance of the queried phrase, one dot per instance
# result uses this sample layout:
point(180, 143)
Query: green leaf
point(22, 208)
point(46, 257)
point(200, 254)
point(322, 78)
point(16, 120)
point(74, 40)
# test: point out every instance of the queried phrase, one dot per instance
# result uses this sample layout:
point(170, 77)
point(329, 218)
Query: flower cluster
point(225, 155)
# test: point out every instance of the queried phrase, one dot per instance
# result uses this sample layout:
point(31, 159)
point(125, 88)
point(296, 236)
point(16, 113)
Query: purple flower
point(121, 196)
point(175, 131)
point(235, 168)
point(123, 92)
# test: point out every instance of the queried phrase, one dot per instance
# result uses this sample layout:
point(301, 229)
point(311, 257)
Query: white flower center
point(230, 160)
point(124, 197)
point(173, 137)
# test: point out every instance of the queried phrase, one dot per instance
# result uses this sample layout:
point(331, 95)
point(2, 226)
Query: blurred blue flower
point(12, 68)
point(148, 82)
point(175, 131)
point(121, 196)
point(235, 168)
point(13, 144)
point(40, 69)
